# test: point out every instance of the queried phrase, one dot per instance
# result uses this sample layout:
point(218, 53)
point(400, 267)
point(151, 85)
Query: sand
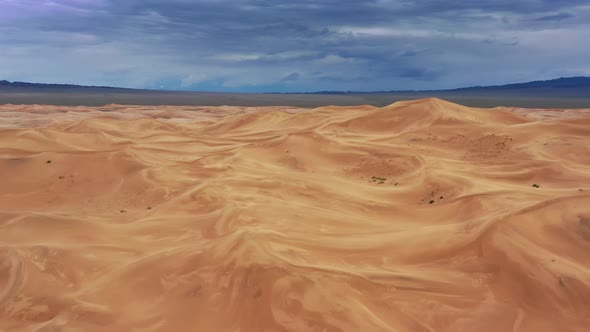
point(419, 216)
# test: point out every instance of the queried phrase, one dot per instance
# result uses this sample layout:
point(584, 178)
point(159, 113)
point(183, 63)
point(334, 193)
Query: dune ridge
point(423, 215)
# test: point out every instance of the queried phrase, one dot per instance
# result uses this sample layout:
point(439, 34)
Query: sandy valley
point(423, 215)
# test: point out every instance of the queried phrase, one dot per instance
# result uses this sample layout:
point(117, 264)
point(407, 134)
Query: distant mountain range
point(565, 92)
point(563, 82)
point(5, 83)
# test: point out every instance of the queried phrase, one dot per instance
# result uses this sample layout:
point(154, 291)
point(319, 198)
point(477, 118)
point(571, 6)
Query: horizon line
point(73, 85)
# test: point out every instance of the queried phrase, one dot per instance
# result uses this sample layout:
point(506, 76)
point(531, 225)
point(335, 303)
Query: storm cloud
point(280, 45)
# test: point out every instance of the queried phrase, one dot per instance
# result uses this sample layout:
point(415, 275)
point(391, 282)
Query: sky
point(293, 46)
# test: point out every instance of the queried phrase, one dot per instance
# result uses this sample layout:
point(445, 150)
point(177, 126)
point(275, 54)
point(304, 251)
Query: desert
point(423, 215)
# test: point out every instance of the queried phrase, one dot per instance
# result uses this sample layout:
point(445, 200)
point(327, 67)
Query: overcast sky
point(289, 45)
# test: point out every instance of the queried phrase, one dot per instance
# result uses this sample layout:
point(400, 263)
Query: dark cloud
point(421, 74)
point(249, 45)
point(291, 77)
point(555, 17)
point(410, 53)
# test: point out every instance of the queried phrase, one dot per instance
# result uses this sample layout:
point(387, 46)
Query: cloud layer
point(282, 45)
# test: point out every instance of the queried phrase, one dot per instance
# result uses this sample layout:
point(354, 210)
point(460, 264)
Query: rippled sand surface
point(419, 216)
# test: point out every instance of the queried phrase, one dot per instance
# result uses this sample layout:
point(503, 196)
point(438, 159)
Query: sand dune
point(418, 216)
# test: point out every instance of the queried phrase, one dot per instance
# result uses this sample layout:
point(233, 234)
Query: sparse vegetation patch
point(378, 180)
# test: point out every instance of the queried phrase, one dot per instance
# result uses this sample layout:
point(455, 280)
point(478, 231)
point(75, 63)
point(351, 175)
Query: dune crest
point(423, 215)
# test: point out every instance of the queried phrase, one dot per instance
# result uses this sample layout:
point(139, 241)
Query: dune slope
point(420, 216)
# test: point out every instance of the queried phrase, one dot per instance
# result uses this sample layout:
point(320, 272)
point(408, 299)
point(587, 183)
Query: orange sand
point(419, 216)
